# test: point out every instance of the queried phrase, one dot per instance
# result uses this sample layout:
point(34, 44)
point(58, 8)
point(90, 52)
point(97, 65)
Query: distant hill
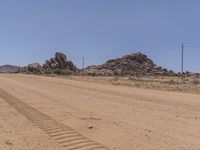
point(8, 69)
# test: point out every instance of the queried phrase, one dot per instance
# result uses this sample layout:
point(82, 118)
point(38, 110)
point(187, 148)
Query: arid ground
point(48, 113)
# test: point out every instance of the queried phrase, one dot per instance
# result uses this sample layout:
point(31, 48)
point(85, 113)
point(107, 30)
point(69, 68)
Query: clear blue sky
point(33, 30)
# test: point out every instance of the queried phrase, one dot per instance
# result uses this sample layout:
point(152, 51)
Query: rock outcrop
point(134, 64)
point(59, 62)
point(34, 67)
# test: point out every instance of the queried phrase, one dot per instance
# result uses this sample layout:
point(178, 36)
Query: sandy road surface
point(43, 113)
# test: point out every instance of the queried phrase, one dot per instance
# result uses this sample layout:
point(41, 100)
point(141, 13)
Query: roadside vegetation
point(186, 84)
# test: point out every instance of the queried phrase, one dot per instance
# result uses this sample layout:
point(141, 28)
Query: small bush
point(91, 74)
point(195, 81)
point(116, 73)
point(47, 72)
point(57, 71)
point(36, 72)
point(66, 73)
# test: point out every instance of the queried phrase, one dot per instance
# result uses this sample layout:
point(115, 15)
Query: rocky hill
point(9, 69)
point(133, 64)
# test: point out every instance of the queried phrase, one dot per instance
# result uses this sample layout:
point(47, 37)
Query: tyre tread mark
point(62, 134)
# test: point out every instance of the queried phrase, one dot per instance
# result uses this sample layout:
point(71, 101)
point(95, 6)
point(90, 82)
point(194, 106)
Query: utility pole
point(83, 63)
point(182, 59)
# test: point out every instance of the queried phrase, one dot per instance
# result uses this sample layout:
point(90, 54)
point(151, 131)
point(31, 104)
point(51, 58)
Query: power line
point(155, 50)
point(159, 50)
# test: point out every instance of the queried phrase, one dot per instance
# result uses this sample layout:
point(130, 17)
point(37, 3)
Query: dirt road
point(45, 113)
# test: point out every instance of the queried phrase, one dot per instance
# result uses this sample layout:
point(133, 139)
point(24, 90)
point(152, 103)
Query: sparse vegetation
point(188, 84)
point(196, 81)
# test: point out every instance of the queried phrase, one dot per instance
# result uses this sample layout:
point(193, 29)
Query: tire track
point(62, 134)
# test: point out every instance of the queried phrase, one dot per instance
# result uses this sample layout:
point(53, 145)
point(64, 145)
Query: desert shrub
point(47, 72)
point(57, 71)
point(172, 81)
point(31, 71)
point(66, 72)
point(195, 81)
point(36, 72)
point(116, 73)
point(91, 74)
point(187, 72)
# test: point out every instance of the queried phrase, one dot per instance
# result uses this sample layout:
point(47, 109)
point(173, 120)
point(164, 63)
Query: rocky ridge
point(135, 64)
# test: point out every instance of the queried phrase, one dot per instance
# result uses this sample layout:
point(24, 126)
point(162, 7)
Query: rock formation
point(59, 62)
point(34, 67)
point(134, 64)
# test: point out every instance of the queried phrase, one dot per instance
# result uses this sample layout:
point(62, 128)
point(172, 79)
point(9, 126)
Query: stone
point(90, 127)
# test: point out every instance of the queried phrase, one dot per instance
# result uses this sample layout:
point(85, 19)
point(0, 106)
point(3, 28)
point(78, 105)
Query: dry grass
point(187, 84)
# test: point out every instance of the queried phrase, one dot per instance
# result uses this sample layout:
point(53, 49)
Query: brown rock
point(90, 127)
